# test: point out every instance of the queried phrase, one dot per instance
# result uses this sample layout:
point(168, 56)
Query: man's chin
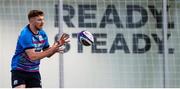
point(39, 28)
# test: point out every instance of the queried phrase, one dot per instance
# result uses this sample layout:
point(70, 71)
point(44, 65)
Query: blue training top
point(28, 40)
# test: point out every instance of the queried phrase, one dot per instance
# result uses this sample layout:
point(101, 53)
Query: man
point(32, 46)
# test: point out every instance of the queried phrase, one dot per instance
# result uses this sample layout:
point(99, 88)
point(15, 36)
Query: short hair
point(34, 13)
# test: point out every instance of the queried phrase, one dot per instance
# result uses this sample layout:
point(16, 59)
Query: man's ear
point(31, 20)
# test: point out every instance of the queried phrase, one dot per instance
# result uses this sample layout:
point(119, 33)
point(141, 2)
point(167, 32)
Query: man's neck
point(33, 29)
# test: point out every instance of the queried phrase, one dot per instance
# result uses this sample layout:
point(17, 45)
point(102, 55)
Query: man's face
point(37, 21)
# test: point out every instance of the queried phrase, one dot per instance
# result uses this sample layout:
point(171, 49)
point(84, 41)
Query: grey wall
point(113, 61)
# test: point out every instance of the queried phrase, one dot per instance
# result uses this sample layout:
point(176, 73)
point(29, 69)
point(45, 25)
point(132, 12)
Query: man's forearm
point(50, 54)
point(39, 55)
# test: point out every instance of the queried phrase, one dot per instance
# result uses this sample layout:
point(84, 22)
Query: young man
point(32, 46)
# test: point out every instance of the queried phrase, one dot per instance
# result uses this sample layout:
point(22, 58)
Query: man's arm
point(63, 40)
point(54, 52)
point(50, 51)
point(39, 55)
point(47, 49)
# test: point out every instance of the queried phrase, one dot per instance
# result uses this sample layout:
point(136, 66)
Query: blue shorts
point(30, 79)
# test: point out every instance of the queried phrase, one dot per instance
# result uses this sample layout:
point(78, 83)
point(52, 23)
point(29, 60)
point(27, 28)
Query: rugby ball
point(85, 38)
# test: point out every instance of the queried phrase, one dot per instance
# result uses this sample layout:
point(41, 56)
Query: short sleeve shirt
point(28, 40)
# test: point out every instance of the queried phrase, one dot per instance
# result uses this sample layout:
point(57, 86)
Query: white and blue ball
point(85, 38)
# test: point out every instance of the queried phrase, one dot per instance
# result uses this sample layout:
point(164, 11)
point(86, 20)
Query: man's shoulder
point(25, 31)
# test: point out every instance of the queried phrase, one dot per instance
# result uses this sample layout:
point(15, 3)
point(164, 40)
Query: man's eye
point(40, 20)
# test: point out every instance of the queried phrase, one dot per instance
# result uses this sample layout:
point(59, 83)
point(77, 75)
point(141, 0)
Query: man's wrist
point(58, 42)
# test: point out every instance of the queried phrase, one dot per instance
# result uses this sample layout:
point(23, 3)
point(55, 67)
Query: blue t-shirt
point(28, 40)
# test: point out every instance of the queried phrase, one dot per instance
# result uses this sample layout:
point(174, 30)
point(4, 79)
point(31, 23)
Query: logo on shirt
point(15, 82)
point(38, 42)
